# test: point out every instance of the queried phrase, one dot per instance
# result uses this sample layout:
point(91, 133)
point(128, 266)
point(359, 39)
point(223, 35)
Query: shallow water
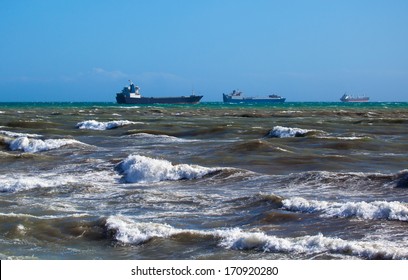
point(209, 181)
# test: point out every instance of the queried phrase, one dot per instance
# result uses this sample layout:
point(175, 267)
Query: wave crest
point(125, 230)
point(37, 145)
point(287, 132)
point(141, 169)
point(129, 232)
point(365, 210)
point(95, 125)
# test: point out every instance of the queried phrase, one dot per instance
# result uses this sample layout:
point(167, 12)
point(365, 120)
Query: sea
point(212, 181)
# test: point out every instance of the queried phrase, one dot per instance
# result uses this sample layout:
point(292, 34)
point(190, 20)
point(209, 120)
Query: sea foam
point(365, 210)
point(96, 125)
point(141, 169)
point(37, 145)
point(24, 183)
point(21, 182)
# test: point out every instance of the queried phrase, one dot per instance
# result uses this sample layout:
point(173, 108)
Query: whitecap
point(287, 132)
point(37, 145)
point(96, 125)
point(375, 210)
point(141, 169)
point(240, 240)
point(129, 231)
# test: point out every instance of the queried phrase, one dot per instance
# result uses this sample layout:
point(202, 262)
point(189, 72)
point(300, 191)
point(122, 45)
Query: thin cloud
point(116, 74)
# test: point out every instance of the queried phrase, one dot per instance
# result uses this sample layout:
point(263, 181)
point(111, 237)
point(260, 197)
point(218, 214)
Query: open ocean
point(207, 181)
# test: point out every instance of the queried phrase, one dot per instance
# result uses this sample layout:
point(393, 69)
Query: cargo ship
point(131, 95)
point(238, 97)
point(350, 98)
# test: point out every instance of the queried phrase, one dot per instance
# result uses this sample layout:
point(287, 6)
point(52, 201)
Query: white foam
point(239, 240)
point(21, 182)
point(365, 210)
point(351, 138)
point(24, 183)
point(131, 232)
point(140, 169)
point(286, 132)
point(160, 138)
point(17, 134)
point(37, 145)
point(95, 125)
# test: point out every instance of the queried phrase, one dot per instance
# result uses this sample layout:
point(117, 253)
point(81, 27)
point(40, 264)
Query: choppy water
point(209, 181)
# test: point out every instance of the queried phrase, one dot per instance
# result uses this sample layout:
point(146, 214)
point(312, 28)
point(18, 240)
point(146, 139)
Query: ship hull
point(253, 100)
point(355, 100)
point(348, 98)
point(192, 99)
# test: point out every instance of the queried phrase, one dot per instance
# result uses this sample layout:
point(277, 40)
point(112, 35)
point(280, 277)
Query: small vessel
point(350, 98)
point(238, 97)
point(131, 95)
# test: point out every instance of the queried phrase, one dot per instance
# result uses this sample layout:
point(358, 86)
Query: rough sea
point(207, 181)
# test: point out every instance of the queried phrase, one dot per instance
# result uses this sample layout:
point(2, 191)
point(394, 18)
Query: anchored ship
point(131, 95)
point(350, 98)
point(238, 97)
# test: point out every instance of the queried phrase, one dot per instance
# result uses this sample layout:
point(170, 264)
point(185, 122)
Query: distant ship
point(350, 98)
point(131, 95)
point(238, 97)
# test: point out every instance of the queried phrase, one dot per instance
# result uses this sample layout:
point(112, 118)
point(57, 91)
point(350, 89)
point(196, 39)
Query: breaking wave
point(140, 169)
point(37, 145)
point(365, 210)
point(95, 125)
point(287, 132)
point(128, 231)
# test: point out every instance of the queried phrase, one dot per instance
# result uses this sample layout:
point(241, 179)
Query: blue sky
point(314, 50)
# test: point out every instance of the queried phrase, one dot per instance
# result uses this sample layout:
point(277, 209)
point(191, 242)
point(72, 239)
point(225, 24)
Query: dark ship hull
point(192, 99)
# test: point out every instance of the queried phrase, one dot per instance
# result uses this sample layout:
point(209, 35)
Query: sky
point(314, 50)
